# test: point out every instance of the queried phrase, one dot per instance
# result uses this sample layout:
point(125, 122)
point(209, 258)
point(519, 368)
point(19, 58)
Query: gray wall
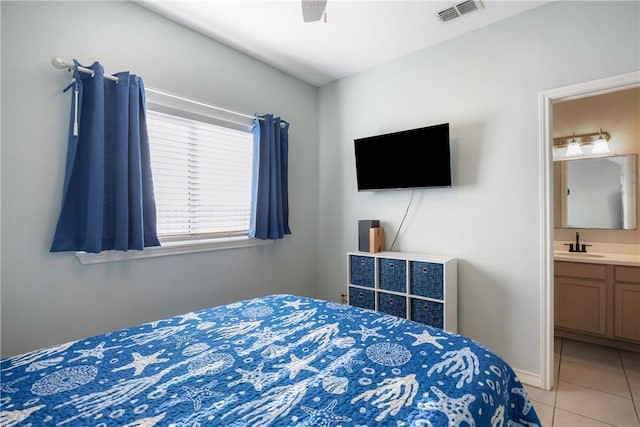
point(51, 298)
point(486, 85)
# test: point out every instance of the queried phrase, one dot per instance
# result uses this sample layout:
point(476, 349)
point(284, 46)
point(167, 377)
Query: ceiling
point(356, 36)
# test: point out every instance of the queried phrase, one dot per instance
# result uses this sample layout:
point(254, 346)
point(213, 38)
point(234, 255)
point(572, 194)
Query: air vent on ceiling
point(459, 9)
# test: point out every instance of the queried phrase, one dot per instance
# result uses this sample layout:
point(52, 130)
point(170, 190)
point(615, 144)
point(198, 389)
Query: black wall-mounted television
point(416, 158)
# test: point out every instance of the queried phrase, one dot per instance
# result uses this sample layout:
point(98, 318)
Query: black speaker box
point(363, 232)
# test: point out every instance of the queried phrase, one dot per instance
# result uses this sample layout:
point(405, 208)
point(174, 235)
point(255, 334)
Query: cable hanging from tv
point(403, 218)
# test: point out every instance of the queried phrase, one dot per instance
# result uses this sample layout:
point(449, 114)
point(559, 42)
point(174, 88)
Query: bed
point(280, 360)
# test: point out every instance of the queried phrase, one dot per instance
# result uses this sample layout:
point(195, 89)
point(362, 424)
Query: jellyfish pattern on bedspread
point(280, 360)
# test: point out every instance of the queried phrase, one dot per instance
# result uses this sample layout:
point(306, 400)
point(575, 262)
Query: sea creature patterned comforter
point(280, 360)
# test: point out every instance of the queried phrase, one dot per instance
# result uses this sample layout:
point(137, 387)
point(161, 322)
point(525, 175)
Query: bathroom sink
point(578, 254)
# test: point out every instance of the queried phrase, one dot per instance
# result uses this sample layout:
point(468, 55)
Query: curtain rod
point(61, 64)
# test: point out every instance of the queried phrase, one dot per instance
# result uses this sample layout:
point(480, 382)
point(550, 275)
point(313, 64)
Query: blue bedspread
point(281, 360)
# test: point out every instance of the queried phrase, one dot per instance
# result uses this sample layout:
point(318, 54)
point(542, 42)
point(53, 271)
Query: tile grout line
point(557, 384)
point(602, 391)
point(626, 376)
point(590, 418)
point(594, 366)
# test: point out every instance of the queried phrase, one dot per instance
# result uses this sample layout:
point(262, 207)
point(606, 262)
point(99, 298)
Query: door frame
point(546, 100)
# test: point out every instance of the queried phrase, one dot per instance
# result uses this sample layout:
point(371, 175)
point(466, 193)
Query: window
point(202, 171)
point(202, 174)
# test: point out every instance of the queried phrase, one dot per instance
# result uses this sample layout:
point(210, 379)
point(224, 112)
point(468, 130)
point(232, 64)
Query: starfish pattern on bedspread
point(456, 409)
point(296, 365)
point(140, 362)
point(198, 394)
point(97, 352)
point(426, 338)
point(295, 304)
point(323, 417)
point(368, 332)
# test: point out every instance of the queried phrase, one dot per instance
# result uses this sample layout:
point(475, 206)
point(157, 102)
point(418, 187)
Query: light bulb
point(574, 149)
point(600, 146)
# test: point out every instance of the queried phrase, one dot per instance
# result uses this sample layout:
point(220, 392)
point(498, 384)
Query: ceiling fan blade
point(312, 10)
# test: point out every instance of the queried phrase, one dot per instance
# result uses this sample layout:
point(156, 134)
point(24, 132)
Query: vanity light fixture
point(575, 144)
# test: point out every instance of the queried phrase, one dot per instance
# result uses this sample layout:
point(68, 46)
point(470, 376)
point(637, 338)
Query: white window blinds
point(201, 176)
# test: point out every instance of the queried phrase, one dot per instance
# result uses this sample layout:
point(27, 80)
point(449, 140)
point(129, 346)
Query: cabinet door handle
point(425, 270)
point(361, 295)
point(362, 262)
point(390, 301)
point(391, 266)
point(426, 307)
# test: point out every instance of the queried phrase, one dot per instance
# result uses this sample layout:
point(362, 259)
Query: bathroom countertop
point(598, 258)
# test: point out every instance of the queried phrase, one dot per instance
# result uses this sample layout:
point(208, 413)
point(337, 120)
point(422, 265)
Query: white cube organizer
point(419, 287)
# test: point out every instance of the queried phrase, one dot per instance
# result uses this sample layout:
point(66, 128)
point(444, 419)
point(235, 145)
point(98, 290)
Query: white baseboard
point(529, 378)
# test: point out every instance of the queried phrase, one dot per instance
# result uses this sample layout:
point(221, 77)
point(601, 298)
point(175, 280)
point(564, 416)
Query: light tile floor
point(594, 386)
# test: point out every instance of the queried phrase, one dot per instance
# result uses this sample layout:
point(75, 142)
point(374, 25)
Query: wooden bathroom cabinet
point(626, 294)
point(598, 303)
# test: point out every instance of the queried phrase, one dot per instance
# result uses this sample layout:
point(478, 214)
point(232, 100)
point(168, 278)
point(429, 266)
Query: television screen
point(416, 158)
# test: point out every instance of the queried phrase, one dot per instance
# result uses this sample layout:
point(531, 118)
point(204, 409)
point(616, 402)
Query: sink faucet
point(577, 247)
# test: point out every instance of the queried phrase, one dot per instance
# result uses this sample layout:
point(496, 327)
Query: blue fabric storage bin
point(428, 312)
point(426, 279)
point(396, 305)
point(393, 274)
point(362, 271)
point(362, 298)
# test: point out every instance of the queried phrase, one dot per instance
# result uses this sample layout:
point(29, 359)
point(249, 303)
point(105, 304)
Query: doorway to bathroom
point(547, 99)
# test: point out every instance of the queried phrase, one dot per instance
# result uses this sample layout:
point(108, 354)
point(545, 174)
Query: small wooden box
point(376, 239)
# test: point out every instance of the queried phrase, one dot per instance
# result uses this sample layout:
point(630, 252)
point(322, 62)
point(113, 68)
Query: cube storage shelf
point(419, 287)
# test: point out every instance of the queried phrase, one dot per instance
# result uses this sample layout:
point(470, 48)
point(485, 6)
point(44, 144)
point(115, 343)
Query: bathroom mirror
point(596, 193)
